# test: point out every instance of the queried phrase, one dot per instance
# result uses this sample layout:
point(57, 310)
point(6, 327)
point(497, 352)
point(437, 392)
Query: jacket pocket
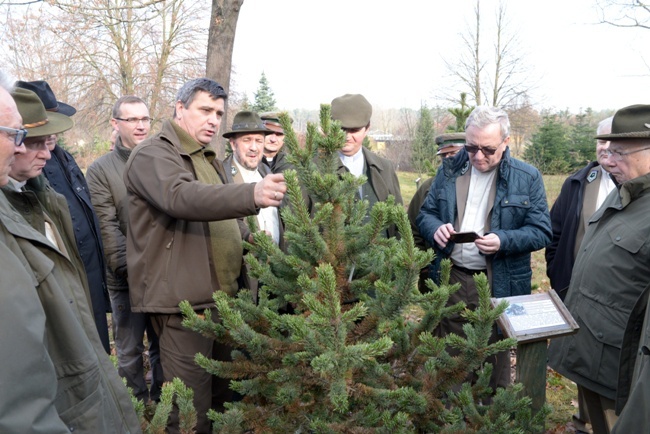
point(169, 249)
point(520, 283)
point(626, 237)
point(514, 209)
point(595, 350)
point(90, 415)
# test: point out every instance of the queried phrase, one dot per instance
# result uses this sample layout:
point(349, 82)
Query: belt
point(468, 271)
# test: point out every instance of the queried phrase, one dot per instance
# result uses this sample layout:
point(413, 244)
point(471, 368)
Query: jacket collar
point(633, 189)
point(16, 225)
point(372, 160)
point(122, 150)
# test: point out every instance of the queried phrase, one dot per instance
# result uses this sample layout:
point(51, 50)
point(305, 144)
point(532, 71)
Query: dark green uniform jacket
point(90, 397)
point(611, 272)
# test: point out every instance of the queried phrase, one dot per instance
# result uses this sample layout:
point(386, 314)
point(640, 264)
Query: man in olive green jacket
point(353, 111)
point(610, 273)
point(79, 389)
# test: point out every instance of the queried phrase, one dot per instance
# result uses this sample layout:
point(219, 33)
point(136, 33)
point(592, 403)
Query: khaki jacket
point(108, 195)
point(168, 248)
point(90, 397)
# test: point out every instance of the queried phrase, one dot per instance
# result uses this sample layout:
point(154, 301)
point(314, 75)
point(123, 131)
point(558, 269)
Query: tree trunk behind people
point(221, 41)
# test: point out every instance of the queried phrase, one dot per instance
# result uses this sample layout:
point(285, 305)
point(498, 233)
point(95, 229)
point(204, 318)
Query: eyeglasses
point(19, 134)
point(37, 145)
point(145, 120)
point(618, 155)
point(473, 149)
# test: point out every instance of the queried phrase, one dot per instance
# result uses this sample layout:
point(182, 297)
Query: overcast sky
point(391, 51)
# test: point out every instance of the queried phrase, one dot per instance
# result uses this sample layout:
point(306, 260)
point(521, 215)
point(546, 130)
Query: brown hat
point(352, 110)
point(247, 122)
point(36, 120)
point(631, 122)
point(271, 121)
point(449, 142)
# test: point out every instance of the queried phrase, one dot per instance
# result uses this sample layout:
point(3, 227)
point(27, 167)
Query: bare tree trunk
point(221, 40)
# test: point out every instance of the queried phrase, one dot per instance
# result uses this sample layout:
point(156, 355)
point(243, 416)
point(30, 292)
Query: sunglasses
point(473, 149)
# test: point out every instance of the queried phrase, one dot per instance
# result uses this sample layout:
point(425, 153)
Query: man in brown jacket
point(183, 240)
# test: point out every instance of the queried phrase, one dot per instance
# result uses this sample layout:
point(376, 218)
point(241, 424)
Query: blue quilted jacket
point(520, 219)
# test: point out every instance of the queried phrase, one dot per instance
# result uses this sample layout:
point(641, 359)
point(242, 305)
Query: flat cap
point(449, 141)
point(271, 121)
point(352, 110)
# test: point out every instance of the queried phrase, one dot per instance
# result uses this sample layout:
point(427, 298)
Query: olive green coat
point(610, 274)
point(90, 397)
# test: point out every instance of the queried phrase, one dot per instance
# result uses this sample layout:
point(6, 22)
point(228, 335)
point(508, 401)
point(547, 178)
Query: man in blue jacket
point(484, 190)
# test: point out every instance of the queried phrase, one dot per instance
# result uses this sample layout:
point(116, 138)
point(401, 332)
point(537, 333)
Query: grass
point(561, 394)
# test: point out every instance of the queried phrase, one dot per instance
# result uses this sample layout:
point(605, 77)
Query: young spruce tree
point(341, 340)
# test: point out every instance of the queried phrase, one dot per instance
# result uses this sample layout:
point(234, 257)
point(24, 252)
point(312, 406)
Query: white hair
point(482, 116)
point(6, 81)
point(604, 124)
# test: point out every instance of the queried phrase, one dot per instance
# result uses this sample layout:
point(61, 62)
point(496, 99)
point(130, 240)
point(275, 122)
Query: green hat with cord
point(247, 122)
point(37, 121)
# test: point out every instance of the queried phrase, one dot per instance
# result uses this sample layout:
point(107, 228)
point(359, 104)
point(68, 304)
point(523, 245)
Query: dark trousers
point(178, 347)
point(501, 373)
point(130, 328)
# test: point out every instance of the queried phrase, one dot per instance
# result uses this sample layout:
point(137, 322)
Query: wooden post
point(531, 371)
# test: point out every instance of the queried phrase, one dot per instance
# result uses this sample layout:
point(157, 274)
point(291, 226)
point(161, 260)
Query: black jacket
point(66, 178)
point(565, 219)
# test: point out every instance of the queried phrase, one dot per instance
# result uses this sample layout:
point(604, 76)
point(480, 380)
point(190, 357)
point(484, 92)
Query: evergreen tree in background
point(461, 114)
point(342, 340)
point(549, 147)
point(424, 145)
point(264, 99)
point(583, 143)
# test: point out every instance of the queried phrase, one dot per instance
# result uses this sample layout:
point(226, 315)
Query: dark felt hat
point(271, 121)
point(45, 93)
point(352, 110)
point(247, 122)
point(449, 142)
point(631, 122)
point(36, 120)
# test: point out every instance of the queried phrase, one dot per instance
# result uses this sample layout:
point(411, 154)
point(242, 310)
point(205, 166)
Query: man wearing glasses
point(65, 176)
point(54, 363)
point(609, 285)
point(485, 190)
point(581, 195)
point(130, 119)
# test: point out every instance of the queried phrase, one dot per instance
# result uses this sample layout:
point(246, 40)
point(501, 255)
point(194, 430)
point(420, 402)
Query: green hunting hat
point(631, 122)
point(36, 120)
point(352, 110)
point(271, 121)
point(449, 142)
point(247, 122)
